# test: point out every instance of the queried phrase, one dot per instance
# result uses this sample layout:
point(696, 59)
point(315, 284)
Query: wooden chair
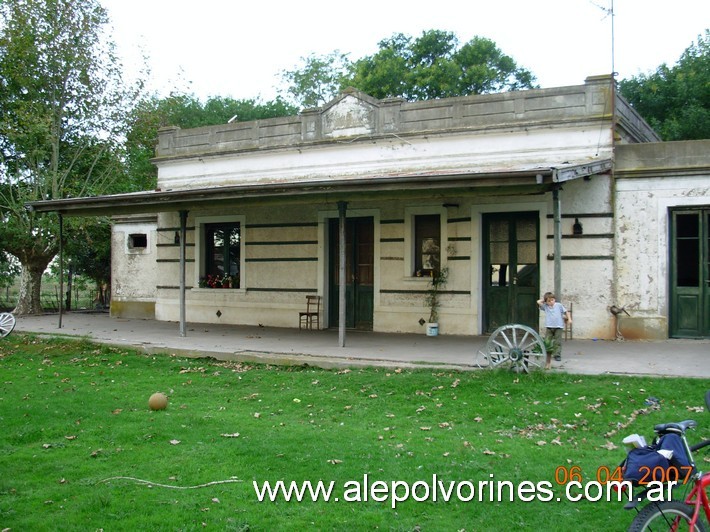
point(311, 315)
point(568, 325)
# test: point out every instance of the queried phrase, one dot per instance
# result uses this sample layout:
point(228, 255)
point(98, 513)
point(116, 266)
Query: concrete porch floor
point(683, 358)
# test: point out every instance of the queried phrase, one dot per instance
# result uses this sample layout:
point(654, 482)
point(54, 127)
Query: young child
point(555, 316)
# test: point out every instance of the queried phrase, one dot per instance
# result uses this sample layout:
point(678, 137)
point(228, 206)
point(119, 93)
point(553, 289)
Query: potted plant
point(437, 281)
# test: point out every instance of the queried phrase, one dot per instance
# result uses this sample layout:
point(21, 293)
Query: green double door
point(511, 280)
point(690, 273)
point(359, 273)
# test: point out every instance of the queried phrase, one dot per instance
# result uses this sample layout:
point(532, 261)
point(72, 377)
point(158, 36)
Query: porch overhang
point(526, 181)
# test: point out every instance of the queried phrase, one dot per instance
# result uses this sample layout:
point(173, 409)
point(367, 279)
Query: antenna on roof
point(609, 12)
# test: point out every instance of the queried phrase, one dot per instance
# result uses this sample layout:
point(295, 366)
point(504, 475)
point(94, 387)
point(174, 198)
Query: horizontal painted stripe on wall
point(291, 290)
point(391, 258)
point(284, 259)
point(172, 229)
point(459, 239)
point(168, 287)
point(598, 235)
point(173, 260)
point(585, 215)
point(449, 292)
point(458, 220)
point(584, 257)
point(459, 257)
point(187, 245)
point(281, 225)
point(282, 243)
point(391, 239)
point(386, 222)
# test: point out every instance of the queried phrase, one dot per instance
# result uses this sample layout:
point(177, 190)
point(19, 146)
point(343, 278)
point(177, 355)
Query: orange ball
point(158, 401)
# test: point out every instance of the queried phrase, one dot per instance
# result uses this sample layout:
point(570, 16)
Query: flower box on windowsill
point(228, 281)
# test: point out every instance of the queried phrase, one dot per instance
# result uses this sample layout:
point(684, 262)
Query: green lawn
point(74, 416)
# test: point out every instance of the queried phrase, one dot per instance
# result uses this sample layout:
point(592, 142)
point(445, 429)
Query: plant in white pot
point(437, 282)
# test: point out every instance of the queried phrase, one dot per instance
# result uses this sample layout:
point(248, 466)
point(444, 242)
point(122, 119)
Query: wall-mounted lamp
point(177, 237)
point(577, 227)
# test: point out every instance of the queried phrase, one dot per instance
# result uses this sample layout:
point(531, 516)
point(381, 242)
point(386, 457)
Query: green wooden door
point(690, 275)
point(511, 278)
point(359, 273)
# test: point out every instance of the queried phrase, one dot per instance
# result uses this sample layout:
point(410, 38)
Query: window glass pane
point(687, 225)
point(526, 229)
point(527, 253)
point(427, 243)
point(527, 275)
point(688, 262)
point(499, 275)
point(223, 252)
point(233, 250)
point(499, 231)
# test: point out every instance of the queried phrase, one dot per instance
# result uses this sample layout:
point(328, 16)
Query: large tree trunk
point(30, 284)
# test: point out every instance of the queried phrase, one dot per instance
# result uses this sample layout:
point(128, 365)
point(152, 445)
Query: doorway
point(359, 272)
point(690, 273)
point(511, 280)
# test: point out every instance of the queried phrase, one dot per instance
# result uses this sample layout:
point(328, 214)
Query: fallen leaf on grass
point(70, 437)
point(478, 419)
point(541, 443)
point(234, 435)
point(556, 441)
point(488, 452)
point(174, 442)
point(335, 461)
point(424, 428)
point(610, 446)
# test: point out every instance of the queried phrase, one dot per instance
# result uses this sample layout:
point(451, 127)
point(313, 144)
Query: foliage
point(75, 414)
point(319, 78)
point(185, 111)
point(438, 280)
point(431, 66)
point(675, 101)
point(9, 269)
point(63, 105)
point(89, 249)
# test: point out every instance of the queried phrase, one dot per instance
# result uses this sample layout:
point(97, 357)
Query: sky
point(238, 48)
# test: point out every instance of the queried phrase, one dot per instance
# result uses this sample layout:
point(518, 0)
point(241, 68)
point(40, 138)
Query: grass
point(74, 414)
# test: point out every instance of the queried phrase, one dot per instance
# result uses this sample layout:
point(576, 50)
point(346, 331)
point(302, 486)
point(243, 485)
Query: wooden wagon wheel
point(517, 346)
point(7, 324)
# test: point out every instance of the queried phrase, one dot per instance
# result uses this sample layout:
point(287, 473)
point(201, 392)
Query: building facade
point(511, 194)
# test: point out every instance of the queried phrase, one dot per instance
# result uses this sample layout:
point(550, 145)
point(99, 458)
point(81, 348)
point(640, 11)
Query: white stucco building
point(564, 189)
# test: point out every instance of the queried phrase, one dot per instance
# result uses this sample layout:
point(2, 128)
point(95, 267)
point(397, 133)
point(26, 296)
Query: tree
point(430, 66)
point(89, 255)
point(319, 79)
point(185, 111)
point(675, 101)
point(63, 106)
